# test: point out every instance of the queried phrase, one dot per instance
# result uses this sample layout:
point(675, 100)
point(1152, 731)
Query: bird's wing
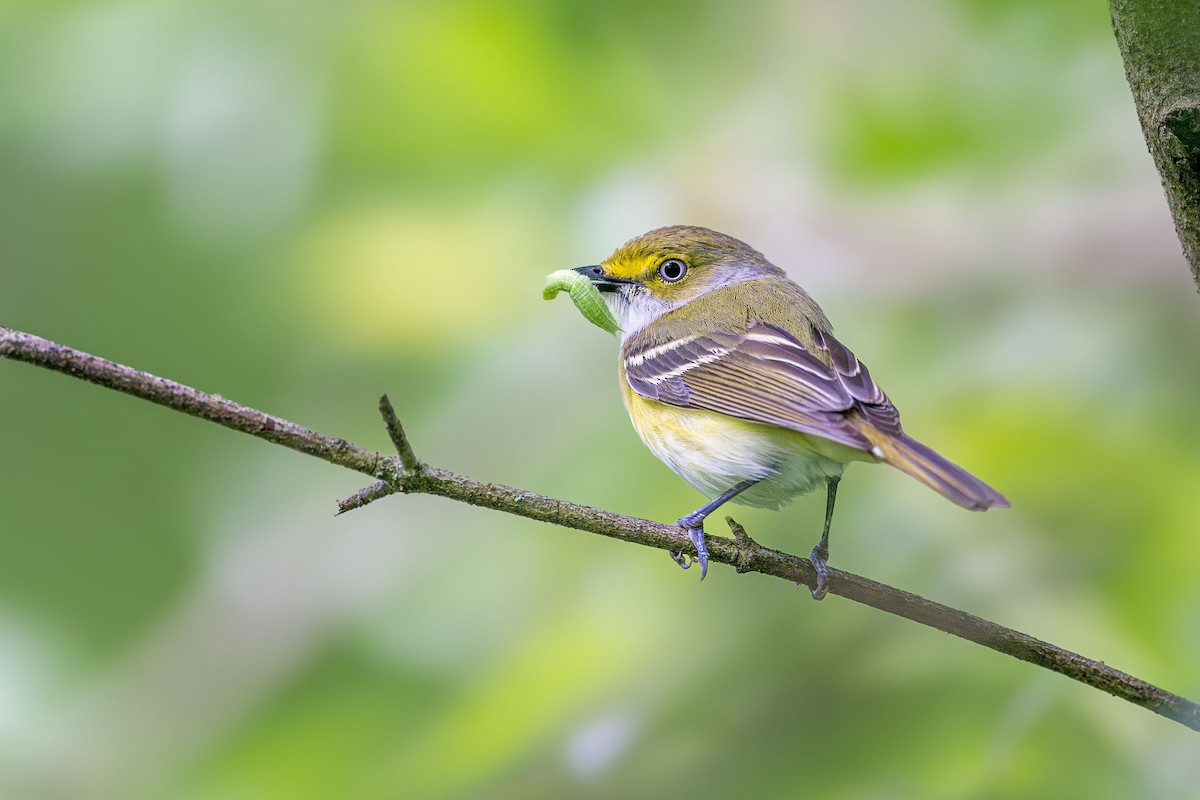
point(765, 375)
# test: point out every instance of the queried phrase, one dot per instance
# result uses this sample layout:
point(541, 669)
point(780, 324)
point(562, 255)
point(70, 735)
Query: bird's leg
point(693, 523)
point(820, 553)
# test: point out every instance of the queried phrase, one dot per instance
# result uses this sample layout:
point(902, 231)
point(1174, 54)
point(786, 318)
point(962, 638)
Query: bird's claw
point(696, 534)
point(818, 557)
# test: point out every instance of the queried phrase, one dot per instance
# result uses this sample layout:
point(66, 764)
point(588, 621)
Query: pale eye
point(672, 270)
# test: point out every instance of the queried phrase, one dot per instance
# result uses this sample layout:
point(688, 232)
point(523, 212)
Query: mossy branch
point(405, 473)
point(1160, 44)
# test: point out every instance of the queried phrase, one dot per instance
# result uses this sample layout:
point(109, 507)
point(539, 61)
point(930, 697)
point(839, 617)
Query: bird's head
point(666, 268)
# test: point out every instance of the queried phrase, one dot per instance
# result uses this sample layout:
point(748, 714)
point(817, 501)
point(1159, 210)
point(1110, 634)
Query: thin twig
point(365, 495)
point(746, 545)
point(396, 431)
point(412, 467)
point(741, 552)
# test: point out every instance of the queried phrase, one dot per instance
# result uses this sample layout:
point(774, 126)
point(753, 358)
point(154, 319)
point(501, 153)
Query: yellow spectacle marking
point(584, 295)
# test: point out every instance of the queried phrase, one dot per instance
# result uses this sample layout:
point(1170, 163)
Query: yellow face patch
point(636, 260)
point(639, 258)
point(620, 265)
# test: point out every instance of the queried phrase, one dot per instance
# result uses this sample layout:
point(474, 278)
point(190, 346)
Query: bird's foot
point(695, 532)
point(818, 557)
point(681, 558)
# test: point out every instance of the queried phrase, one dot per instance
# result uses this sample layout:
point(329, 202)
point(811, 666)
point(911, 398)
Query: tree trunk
point(1160, 43)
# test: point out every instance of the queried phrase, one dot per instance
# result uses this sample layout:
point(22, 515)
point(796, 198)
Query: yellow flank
point(713, 451)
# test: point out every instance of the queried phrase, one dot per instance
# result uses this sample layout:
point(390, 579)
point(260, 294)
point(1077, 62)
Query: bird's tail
point(947, 479)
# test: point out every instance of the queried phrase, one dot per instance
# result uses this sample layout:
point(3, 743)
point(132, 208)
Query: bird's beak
point(604, 283)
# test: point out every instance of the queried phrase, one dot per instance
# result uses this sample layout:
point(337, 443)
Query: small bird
point(732, 377)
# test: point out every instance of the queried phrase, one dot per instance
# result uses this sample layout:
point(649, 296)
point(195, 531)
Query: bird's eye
point(672, 270)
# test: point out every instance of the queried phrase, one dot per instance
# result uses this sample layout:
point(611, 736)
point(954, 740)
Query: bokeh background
point(303, 205)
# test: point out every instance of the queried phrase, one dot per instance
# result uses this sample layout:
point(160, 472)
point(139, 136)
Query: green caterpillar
point(584, 295)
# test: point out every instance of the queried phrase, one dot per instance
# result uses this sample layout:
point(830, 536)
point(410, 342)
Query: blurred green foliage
point(303, 205)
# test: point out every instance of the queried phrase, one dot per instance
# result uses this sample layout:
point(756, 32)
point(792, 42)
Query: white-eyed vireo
point(732, 377)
